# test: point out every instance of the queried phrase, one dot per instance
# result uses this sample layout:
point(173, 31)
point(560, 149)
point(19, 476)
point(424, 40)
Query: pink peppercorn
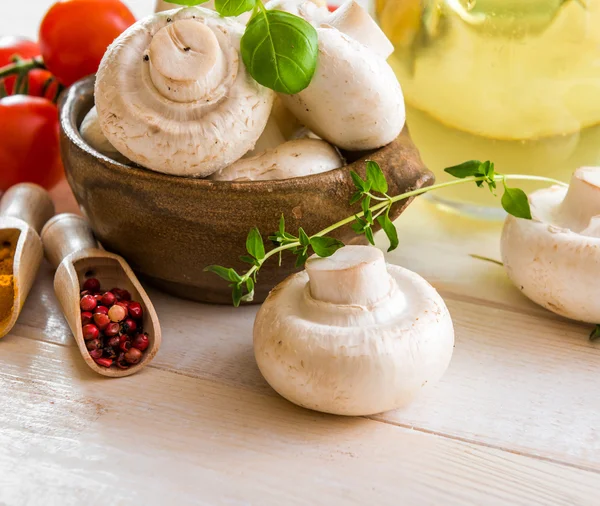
point(112, 329)
point(108, 299)
point(135, 310)
point(104, 362)
point(88, 303)
point(129, 326)
point(92, 285)
point(86, 317)
point(96, 353)
point(133, 356)
point(93, 344)
point(117, 313)
point(90, 331)
point(101, 320)
point(141, 342)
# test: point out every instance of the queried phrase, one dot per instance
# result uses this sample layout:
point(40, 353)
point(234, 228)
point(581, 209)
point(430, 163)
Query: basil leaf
point(376, 178)
point(595, 334)
point(223, 272)
point(233, 7)
point(325, 246)
point(280, 50)
point(254, 244)
point(515, 202)
point(282, 225)
point(389, 229)
point(466, 169)
point(359, 182)
point(188, 3)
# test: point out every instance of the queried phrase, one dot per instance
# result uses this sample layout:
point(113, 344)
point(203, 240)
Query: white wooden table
point(514, 420)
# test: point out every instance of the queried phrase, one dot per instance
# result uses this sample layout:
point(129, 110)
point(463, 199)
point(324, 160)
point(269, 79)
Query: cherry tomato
point(29, 149)
point(74, 35)
point(11, 46)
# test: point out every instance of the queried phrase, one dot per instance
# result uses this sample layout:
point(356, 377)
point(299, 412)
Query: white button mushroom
point(354, 100)
point(555, 258)
point(173, 94)
point(92, 134)
point(352, 336)
point(297, 158)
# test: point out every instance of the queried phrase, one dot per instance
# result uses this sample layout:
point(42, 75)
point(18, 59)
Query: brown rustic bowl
point(170, 228)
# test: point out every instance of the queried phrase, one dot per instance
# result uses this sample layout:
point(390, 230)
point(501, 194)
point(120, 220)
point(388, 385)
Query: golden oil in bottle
point(513, 81)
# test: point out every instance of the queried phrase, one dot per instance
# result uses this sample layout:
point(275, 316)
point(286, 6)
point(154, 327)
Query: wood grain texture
point(80, 438)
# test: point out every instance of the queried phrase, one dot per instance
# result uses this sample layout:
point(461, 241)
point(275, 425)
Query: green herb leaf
point(301, 258)
point(233, 7)
point(515, 202)
point(595, 334)
point(254, 244)
point(369, 234)
point(249, 297)
point(356, 197)
point(466, 169)
point(282, 225)
point(280, 50)
point(189, 3)
point(376, 178)
point(359, 225)
point(224, 272)
point(325, 246)
point(237, 294)
point(359, 182)
point(304, 239)
point(365, 204)
point(389, 229)
point(249, 260)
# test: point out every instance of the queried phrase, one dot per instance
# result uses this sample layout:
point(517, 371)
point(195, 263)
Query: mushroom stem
point(353, 20)
point(186, 61)
point(582, 202)
point(353, 275)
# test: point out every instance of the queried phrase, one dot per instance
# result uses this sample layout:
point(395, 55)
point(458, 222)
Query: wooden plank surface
point(71, 437)
point(514, 420)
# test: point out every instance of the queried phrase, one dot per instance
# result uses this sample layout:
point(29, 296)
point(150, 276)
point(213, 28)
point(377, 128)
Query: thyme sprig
point(374, 188)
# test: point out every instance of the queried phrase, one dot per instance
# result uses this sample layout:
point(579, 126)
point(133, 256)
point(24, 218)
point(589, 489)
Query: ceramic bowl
point(170, 228)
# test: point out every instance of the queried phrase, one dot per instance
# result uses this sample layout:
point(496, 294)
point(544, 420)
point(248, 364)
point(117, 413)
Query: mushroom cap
point(554, 259)
point(173, 94)
point(354, 100)
point(297, 158)
point(92, 134)
point(353, 359)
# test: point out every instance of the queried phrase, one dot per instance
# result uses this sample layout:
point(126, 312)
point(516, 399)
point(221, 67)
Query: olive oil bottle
point(513, 81)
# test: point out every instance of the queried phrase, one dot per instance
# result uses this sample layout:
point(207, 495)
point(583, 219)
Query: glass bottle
point(513, 81)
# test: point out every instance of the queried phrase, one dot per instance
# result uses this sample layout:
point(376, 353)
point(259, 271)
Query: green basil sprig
point(279, 49)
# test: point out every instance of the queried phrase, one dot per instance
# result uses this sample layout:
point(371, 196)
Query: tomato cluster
point(73, 37)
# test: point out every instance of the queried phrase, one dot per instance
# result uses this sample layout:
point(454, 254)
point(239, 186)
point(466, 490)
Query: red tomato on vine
point(11, 46)
point(74, 35)
point(29, 149)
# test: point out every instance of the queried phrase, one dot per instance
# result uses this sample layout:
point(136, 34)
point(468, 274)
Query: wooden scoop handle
point(28, 202)
point(65, 234)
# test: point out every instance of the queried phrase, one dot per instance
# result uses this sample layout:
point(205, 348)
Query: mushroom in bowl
point(351, 335)
point(554, 258)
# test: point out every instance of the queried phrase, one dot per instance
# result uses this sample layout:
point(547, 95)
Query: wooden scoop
point(24, 209)
point(71, 247)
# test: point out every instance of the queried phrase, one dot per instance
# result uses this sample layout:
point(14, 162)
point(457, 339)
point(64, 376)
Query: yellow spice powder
point(7, 288)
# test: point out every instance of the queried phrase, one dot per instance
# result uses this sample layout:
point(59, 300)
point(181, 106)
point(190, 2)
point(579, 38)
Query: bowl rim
point(72, 100)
